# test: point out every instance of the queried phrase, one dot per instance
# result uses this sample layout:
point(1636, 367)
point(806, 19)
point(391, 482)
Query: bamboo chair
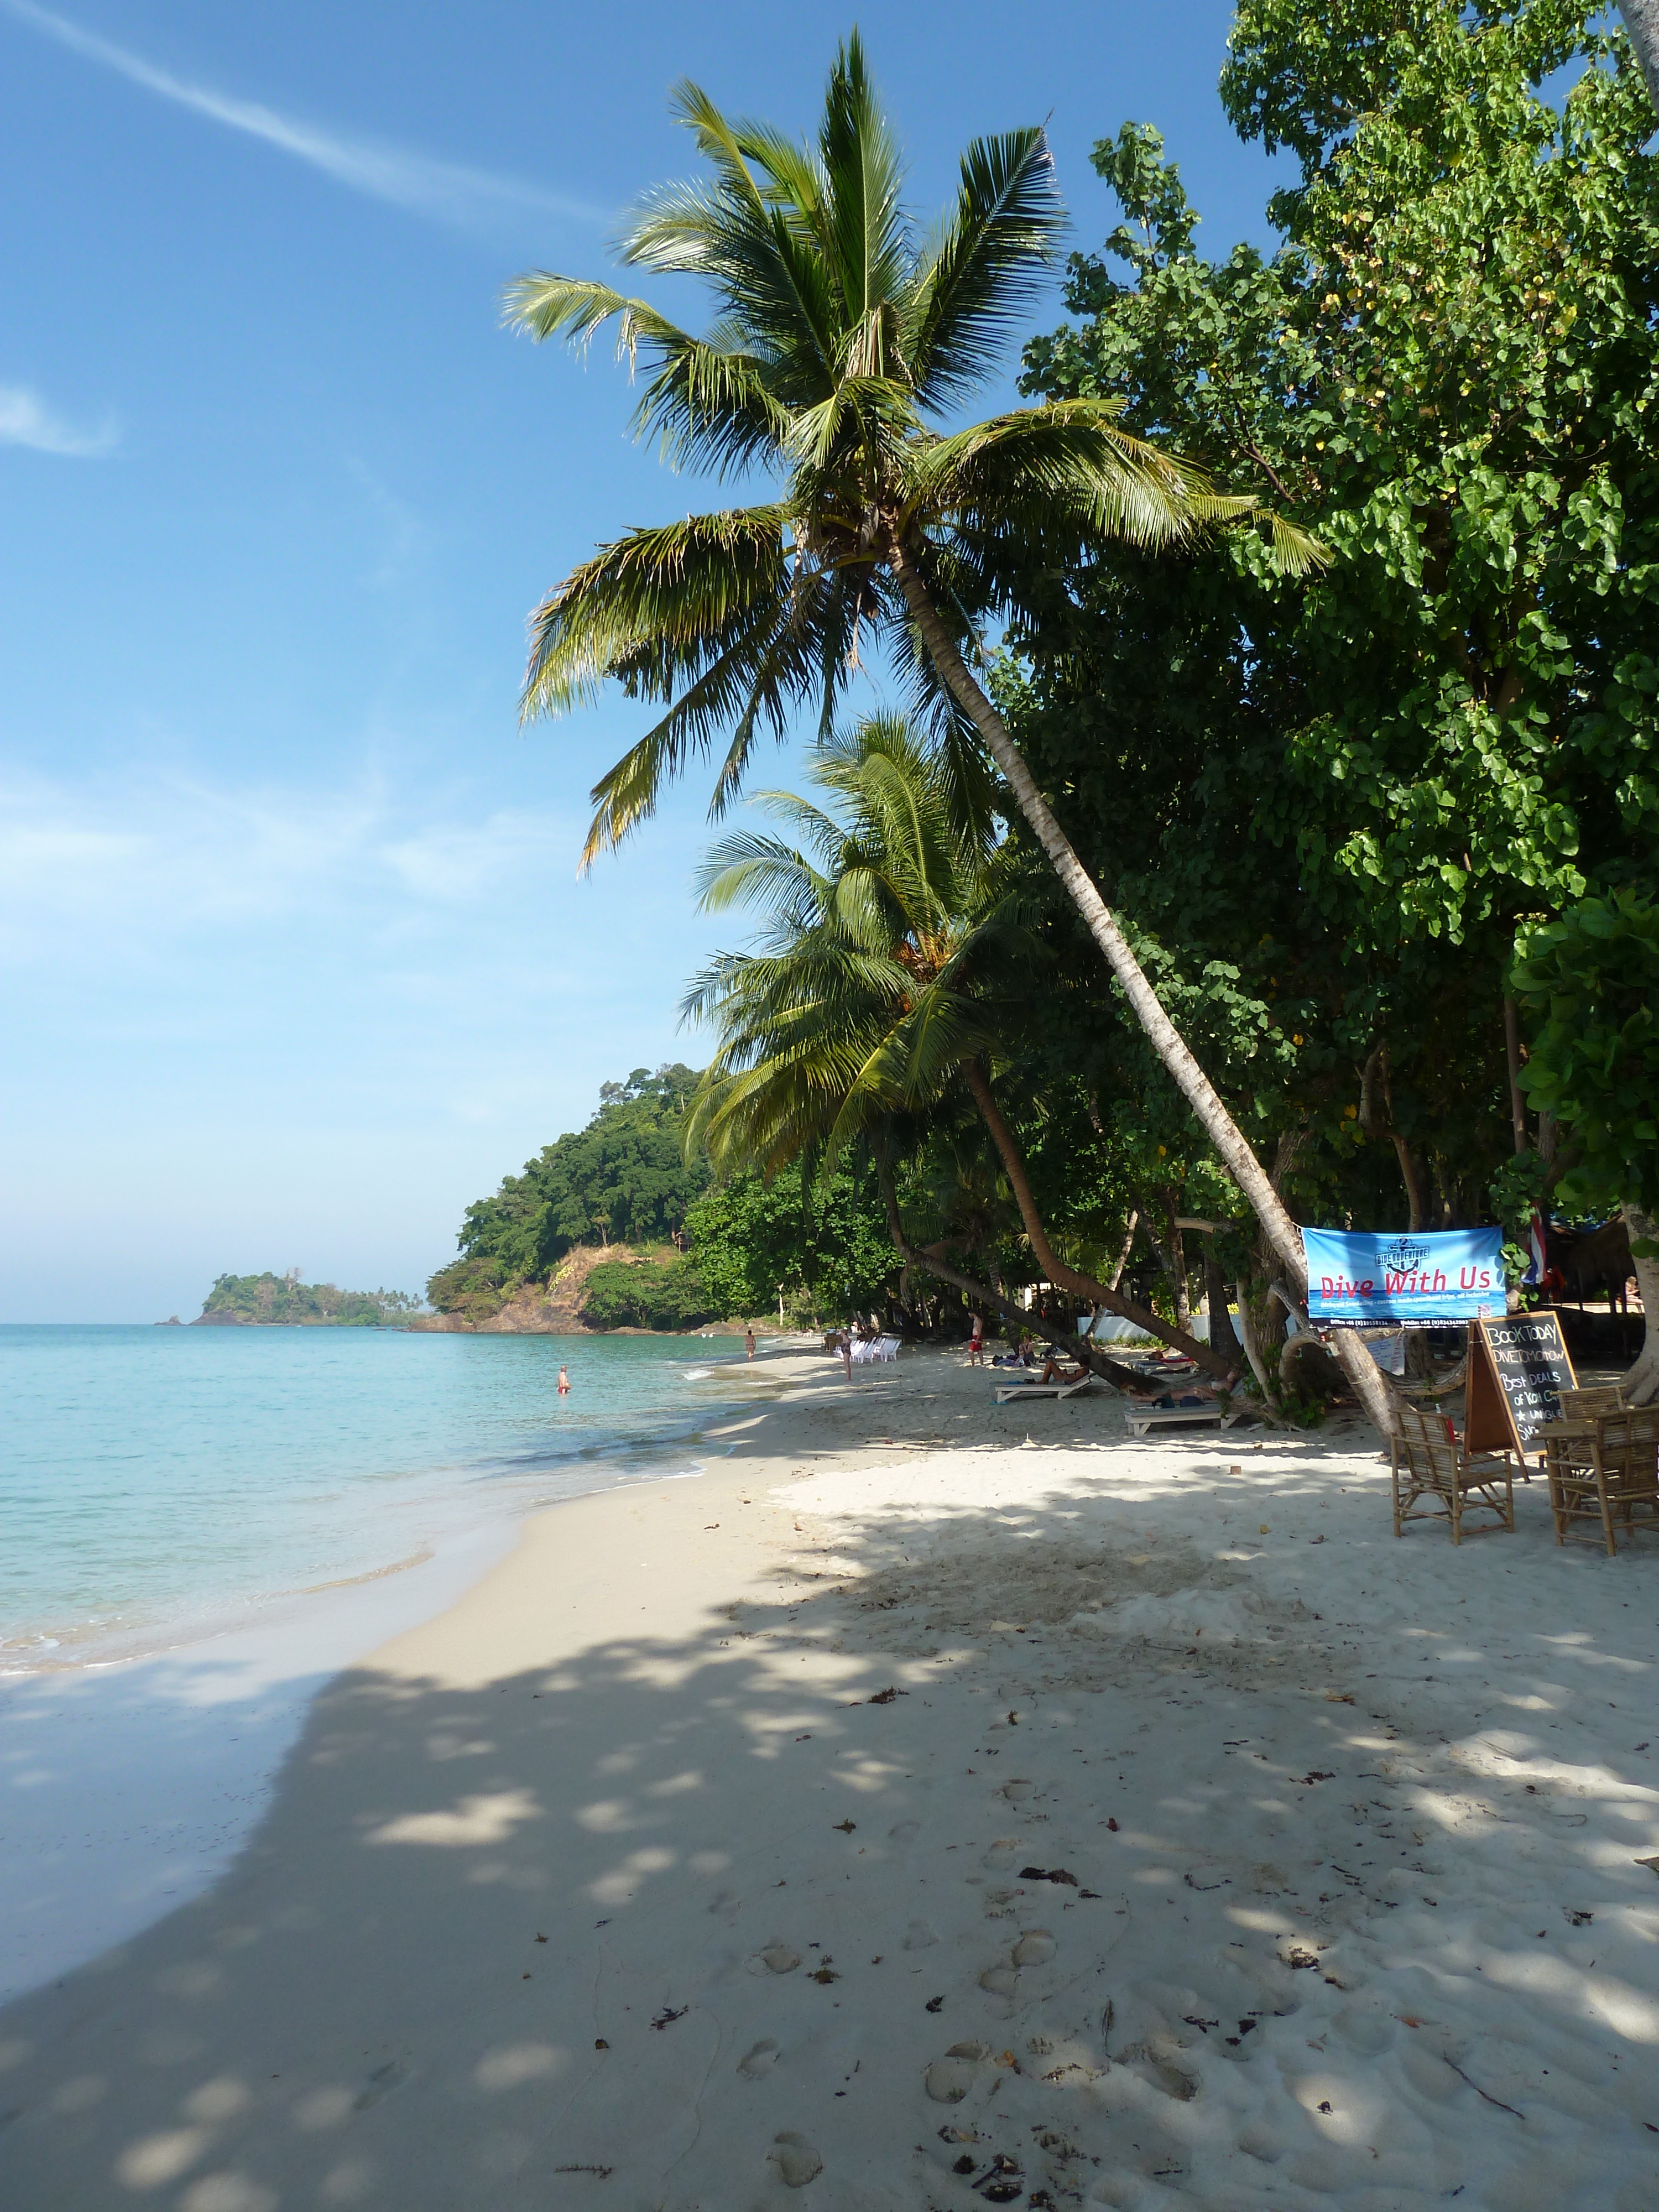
point(1426, 1460)
point(1593, 1399)
point(1605, 1470)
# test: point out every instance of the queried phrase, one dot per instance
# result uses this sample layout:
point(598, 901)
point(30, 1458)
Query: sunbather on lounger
point(1057, 1369)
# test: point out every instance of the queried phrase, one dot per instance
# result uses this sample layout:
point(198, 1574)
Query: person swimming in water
point(564, 1382)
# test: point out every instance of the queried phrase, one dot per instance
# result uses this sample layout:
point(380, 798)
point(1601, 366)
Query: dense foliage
point(664, 1294)
point(1592, 980)
point(733, 1245)
point(286, 1299)
point(622, 1180)
point(1329, 809)
point(821, 1246)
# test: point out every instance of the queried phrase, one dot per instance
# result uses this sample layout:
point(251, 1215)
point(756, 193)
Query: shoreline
point(358, 1507)
point(182, 1739)
point(932, 1797)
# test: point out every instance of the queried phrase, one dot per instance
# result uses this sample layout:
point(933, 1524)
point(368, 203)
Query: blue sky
point(294, 963)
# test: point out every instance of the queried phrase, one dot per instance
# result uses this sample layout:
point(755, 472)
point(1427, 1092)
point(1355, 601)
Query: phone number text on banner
point(1434, 1279)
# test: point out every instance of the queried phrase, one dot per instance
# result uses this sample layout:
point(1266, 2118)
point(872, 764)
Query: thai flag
point(1538, 1267)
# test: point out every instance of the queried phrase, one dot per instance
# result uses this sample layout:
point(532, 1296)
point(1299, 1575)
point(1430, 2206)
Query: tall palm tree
point(841, 343)
point(893, 962)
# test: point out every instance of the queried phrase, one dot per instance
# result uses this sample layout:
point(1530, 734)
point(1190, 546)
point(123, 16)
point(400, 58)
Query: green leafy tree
point(821, 1244)
point(284, 1300)
point(1327, 813)
point(1591, 982)
point(660, 1294)
point(623, 1179)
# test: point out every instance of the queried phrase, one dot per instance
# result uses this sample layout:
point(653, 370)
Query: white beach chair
point(1142, 1418)
point(1007, 1391)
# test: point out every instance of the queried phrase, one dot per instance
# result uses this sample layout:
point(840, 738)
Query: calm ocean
point(157, 1484)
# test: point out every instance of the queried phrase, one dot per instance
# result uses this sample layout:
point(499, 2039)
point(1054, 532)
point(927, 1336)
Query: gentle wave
point(156, 1484)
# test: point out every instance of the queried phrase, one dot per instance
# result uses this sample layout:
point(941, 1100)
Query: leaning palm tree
point(893, 963)
point(842, 345)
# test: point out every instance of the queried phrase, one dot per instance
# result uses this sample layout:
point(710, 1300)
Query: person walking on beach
point(749, 1343)
point(564, 1382)
point(847, 1351)
point(976, 1340)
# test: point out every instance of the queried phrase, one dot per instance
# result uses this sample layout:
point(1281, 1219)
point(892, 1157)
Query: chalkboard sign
point(1518, 1368)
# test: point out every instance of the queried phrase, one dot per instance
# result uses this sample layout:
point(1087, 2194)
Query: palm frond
point(667, 600)
point(575, 309)
point(864, 233)
point(988, 263)
point(1294, 552)
point(1068, 464)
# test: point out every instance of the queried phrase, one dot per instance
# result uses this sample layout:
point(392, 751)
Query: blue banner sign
point(1432, 1279)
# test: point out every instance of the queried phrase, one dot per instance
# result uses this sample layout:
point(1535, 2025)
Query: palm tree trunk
point(1642, 27)
point(1177, 1261)
point(1364, 1376)
point(928, 1261)
point(1642, 1381)
point(1222, 1338)
point(1512, 1058)
point(1418, 1211)
point(1069, 1279)
point(1128, 1246)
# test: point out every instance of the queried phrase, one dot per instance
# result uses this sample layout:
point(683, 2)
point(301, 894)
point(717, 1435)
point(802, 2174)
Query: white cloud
point(447, 190)
point(128, 870)
point(26, 419)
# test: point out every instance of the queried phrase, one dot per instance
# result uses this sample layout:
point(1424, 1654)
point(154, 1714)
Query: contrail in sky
point(447, 190)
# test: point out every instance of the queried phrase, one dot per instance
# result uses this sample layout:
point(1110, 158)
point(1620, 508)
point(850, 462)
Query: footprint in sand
point(1017, 1792)
point(776, 1958)
point(921, 1937)
point(759, 2061)
point(796, 2160)
point(948, 2080)
point(1035, 1949)
point(906, 1831)
point(1001, 1855)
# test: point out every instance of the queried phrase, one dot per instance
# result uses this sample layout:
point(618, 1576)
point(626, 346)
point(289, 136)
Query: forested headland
point(1273, 835)
point(688, 1250)
point(283, 1301)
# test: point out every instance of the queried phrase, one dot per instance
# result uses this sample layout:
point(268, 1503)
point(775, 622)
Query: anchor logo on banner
point(1404, 1256)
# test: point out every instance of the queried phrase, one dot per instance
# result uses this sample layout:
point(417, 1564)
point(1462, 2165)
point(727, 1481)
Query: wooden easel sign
point(1518, 1368)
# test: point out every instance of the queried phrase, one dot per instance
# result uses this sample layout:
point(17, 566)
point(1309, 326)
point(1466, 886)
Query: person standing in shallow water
point(749, 1343)
point(564, 1382)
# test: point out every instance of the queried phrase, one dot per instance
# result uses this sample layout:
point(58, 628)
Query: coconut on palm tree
point(893, 966)
point(841, 349)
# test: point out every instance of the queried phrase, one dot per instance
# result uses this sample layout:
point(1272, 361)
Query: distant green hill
point(252, 1301)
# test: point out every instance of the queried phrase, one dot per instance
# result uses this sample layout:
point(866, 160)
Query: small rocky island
point(268, 1301)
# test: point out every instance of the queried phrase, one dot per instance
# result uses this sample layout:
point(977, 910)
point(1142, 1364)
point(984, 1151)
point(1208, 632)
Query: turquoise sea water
point(157, 1483)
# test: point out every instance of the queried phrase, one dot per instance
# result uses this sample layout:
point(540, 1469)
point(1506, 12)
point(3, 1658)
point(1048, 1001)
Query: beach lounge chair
point(1170, 1412)
point(1427, 1460)
point(1007, 1391)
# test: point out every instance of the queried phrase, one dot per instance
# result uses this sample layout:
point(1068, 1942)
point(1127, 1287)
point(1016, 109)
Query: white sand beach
point(935, 1805)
